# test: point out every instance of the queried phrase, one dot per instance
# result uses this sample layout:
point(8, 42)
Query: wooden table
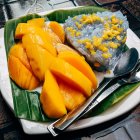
point(125, 127)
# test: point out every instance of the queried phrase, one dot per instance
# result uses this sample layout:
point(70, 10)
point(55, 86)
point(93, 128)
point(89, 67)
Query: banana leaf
point(26, 103)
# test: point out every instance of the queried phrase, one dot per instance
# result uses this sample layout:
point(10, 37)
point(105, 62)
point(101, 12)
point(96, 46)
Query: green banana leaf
point(26, 103)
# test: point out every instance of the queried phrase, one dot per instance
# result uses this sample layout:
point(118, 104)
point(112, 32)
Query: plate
point(31, 127)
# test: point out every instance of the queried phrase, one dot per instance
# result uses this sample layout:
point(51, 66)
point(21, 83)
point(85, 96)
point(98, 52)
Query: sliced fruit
point(58, 30)
point(24, 28)
point(72, 97)
point(19, 68)
point(62, 47)
point(18, 51)
point(21, 29)
point(51, 98)
point(71, 75)
point(40, 22)
point(39, 58)
point(40, 38)
point(79, 63)
point(20, 74)
point(54, 38)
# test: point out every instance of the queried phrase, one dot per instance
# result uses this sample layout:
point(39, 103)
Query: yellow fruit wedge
point(40, 59)
point(51, 98)
point(18, 51)
point(54, 38)
point(25, 28)
point(40, 38)
point(58, 30)
point(21, 29)
point(20, 74)
point(71, 75)
point(62, 47)
point(40, 22)
point(80, 64)
point(72, 97)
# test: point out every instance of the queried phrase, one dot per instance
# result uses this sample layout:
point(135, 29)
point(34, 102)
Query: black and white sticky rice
point(99, 37)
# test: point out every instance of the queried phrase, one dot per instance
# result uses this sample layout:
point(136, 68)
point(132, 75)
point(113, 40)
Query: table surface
point(125, 127)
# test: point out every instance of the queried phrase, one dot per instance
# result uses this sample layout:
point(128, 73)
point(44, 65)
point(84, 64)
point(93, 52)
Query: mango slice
point(72, 97)
point(62, 47)
point(39, 58)
point(40, 38)
point(51, 98)
point(25, 28)
point(58, 30)
point(18, 51)
point(79, 63)
point(54, 38)
point(71, 75)
point(19, 68)
point(21, 29)
point(40, 22)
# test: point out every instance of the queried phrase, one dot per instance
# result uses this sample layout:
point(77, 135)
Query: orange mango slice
point(18, 51)
point(21, 29)
point(39, 58)
point(58, 30)
point(54, 38)
point(19, 68)
point(25, 28)
point(40, 38)
point(72, 97)
point(79, 63)
point(51, 98)
point(71, 75)
point(62, 47)
point(40, 22)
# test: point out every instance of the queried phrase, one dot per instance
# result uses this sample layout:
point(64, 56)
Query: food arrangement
point(41, 57)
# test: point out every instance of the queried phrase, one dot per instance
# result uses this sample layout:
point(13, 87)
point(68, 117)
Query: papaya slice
point(58, 30)
point(72, 97)
point(79, 63)
point(51, 98)
point(71, 75)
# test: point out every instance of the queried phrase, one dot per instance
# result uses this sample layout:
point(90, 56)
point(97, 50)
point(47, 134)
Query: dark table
point(125, 127)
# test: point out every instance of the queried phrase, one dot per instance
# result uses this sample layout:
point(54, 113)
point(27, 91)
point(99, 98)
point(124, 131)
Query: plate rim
point(24, 122)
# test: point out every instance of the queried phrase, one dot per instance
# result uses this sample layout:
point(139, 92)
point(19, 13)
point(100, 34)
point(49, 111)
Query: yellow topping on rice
point(106, 55)
point(78, 34)
point(88, 45)
point(97, 41)
point(79, 26)
point(113, 45)
point(92, 52)
point(103, 48)
point(114, 20)
point(118, 37)
point(89, 19)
